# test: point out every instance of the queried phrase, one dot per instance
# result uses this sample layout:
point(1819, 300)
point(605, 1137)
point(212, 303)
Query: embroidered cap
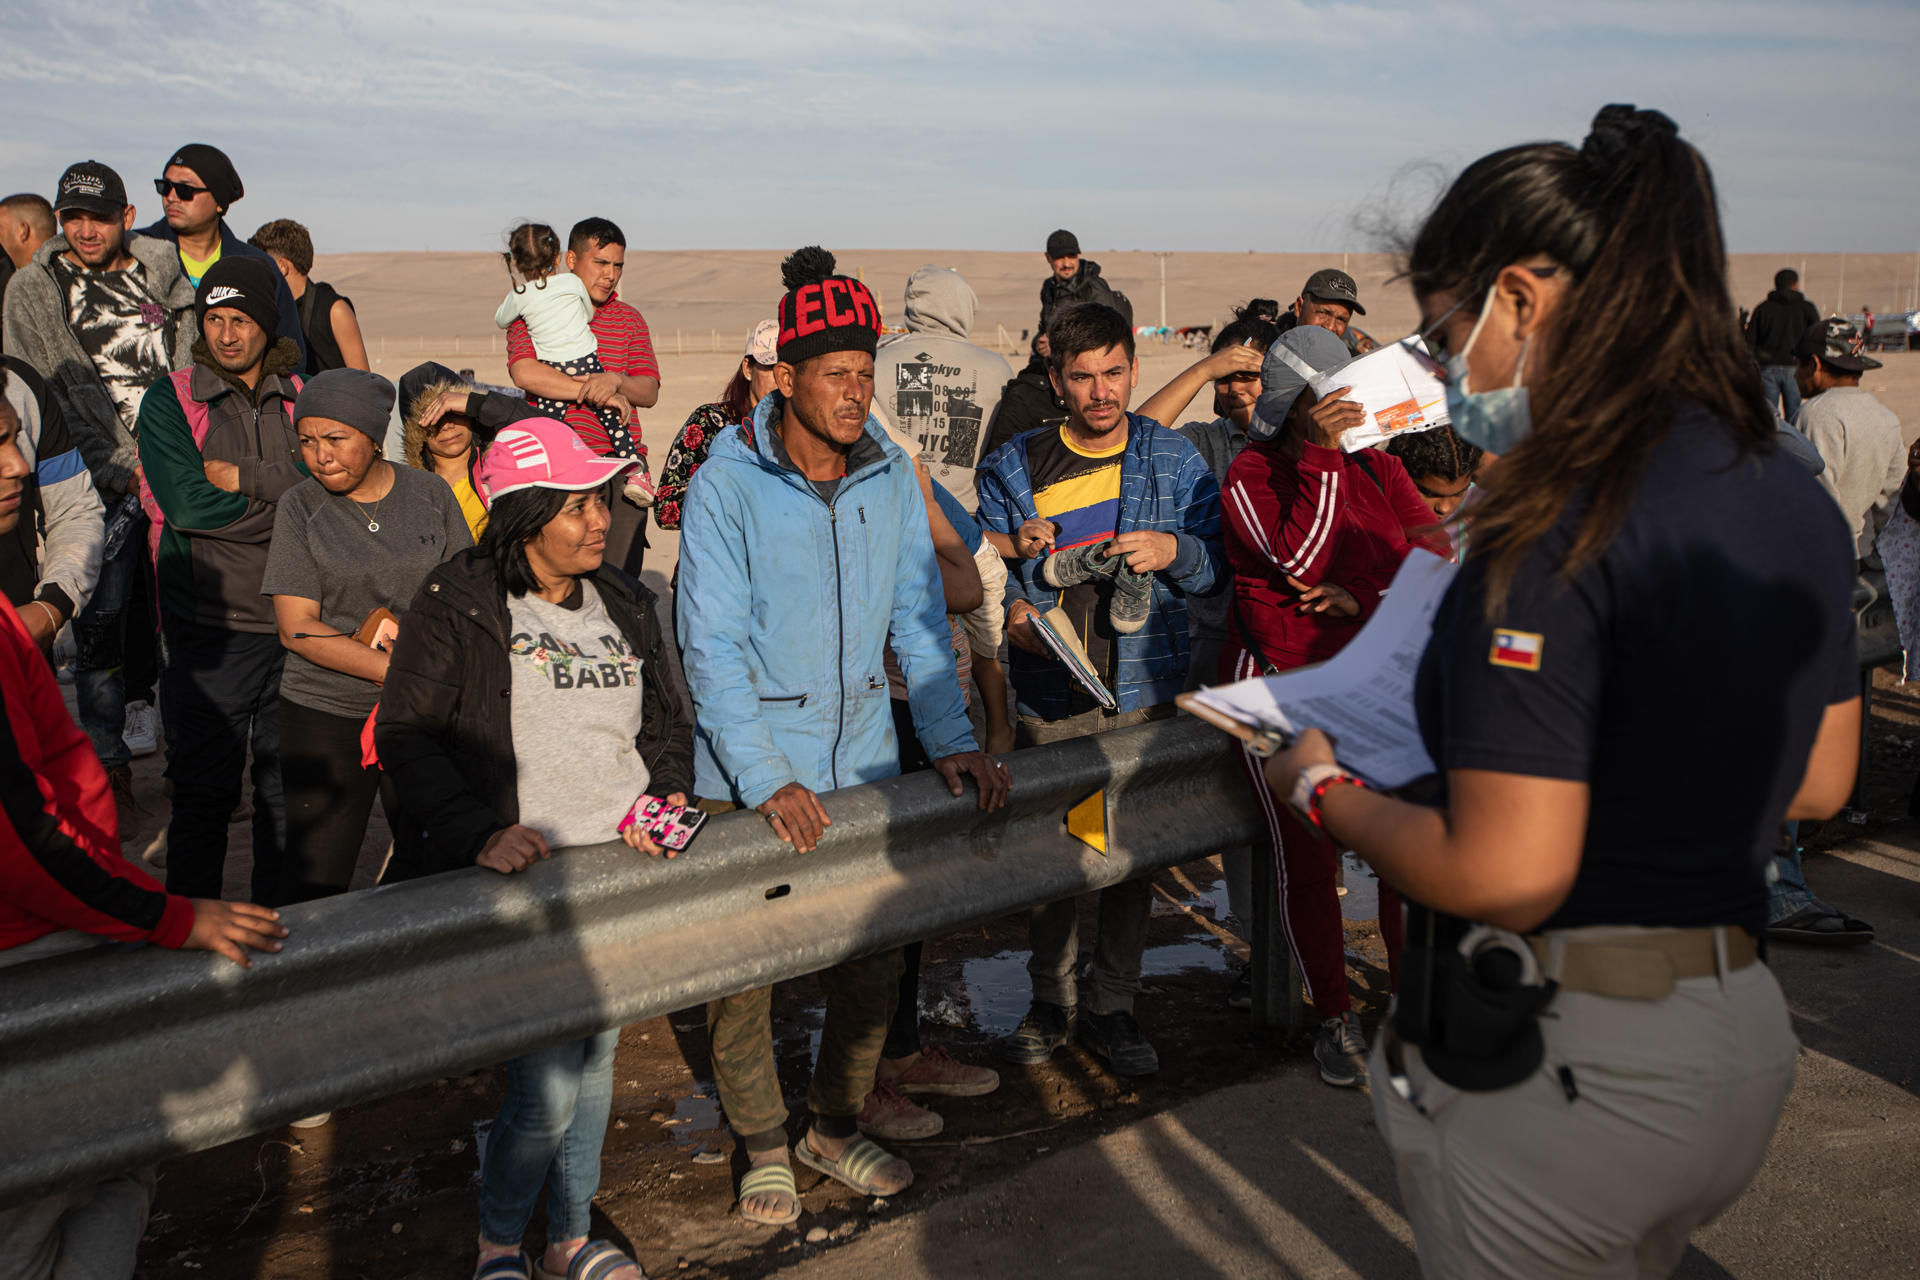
point(90, 187)
point(542, 453)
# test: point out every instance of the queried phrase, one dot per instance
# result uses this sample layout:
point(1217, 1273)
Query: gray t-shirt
point(1219, 442)
point(322, 550)
point(576, 713)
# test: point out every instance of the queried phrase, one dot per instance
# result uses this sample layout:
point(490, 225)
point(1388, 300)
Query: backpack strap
point(1360, 457)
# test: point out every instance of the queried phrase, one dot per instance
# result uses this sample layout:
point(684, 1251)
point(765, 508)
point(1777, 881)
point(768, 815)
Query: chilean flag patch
point(1517, 649)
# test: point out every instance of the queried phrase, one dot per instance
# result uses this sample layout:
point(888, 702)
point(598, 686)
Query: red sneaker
point(938, 1071)
point(887, 1113)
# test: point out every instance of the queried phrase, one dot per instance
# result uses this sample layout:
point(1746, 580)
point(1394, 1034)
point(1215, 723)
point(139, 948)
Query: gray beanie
point(362, 400)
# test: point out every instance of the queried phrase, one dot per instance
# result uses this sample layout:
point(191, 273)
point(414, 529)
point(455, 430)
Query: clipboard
point(1262, 742)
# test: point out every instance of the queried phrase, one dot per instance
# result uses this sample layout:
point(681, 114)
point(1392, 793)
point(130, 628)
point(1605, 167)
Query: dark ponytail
point(1646, 324)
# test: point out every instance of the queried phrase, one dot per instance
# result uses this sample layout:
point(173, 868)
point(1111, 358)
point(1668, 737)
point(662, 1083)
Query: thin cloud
point(1204, 125)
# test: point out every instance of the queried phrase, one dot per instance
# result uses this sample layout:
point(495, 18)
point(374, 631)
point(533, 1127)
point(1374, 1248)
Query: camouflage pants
point(860, 999)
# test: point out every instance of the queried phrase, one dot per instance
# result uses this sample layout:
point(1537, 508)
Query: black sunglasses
point(184, 190)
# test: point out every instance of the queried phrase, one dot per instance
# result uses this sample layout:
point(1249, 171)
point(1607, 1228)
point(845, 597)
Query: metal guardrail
point(108, 1061)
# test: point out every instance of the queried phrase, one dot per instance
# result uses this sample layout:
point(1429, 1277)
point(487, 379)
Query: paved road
point(1285, 1177)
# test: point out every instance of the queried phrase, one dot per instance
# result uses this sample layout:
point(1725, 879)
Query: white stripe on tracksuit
point(1324, 511)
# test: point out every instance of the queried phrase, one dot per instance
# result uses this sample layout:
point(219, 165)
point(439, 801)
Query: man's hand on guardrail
point(992, 776)
point(233, 927)
point(513, 849)
point(796, 816)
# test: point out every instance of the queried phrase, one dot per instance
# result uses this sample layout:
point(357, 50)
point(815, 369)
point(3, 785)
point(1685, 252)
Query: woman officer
point(1646, 663)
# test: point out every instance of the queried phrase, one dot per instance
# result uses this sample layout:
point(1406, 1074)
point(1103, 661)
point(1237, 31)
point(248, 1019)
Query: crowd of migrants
point(193, 476)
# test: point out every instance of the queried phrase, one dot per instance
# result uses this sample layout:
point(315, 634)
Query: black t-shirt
point(1682, 676)
point(1080, 492)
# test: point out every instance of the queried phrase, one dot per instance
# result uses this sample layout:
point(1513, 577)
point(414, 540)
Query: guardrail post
point(1279, 1007)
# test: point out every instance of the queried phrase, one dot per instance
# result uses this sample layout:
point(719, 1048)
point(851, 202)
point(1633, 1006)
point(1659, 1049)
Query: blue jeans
point(1787, 890)
point(100, 654)
point(1781, 388)
point(548, 1132)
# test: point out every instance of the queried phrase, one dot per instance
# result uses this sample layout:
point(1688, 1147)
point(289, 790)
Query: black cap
point(92, 188)
point(248, 285)
point(1835, 342)
point(1061, 244)
point(1334, 285)
point(215, 171)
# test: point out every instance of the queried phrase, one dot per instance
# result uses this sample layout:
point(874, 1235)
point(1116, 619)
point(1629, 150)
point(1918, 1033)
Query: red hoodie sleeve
point(59, 834)
point(1293, 531)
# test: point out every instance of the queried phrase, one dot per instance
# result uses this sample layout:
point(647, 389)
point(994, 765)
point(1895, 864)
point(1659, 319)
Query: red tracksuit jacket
point(60, 863)
point(1320, 519)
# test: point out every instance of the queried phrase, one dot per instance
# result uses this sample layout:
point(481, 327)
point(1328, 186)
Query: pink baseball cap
point(542, 453)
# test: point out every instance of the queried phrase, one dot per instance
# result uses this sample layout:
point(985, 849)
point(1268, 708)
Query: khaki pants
point(1676, 1102)
point(860, 999)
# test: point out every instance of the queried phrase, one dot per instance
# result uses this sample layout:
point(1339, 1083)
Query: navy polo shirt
point(1682, 676)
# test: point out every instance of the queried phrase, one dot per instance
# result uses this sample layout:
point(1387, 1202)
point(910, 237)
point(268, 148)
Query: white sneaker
point(142, 732)
point(313, 1122)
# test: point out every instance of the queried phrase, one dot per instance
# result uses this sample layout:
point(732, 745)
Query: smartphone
point(671, 826)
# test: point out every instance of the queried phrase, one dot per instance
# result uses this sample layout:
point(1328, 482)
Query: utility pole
point(1163, 287)
point(1840, 303)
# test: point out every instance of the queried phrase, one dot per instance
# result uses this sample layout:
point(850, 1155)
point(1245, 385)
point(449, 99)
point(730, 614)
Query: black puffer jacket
point(1777, 325)
point(445, 727)
point(1087, 285)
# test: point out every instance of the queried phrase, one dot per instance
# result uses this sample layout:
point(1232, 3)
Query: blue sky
point(1182, 124)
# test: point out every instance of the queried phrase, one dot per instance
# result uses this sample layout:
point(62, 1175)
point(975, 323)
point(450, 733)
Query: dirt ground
point(388, 1188)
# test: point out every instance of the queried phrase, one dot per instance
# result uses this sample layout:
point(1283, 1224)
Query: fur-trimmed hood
point(415, 441)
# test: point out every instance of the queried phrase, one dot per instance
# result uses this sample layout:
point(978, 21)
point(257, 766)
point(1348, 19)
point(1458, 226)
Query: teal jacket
point(786, 605)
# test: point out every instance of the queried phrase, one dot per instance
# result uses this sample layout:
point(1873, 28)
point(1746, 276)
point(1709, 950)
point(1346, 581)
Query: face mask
point(1494, 420)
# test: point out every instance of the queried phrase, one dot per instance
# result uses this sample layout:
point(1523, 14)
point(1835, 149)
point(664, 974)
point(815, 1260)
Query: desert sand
point(701, 304)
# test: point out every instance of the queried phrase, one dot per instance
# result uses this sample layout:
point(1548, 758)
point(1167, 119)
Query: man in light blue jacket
point(804, 550)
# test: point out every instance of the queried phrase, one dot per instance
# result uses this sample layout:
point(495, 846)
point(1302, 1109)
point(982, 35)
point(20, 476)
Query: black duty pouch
point(1476, 1019)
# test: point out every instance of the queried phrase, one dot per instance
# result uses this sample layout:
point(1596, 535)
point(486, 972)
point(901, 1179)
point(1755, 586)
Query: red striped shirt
point(626, 348)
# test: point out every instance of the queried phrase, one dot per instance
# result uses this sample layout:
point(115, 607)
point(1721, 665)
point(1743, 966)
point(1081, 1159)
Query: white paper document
point(1396, 385)
point(1363, 695)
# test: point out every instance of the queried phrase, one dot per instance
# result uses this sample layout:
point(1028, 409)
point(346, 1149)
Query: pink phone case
point(671, 826)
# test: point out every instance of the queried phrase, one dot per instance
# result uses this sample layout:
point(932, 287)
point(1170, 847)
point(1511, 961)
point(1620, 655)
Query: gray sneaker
point(1079, 564)
point(1132, 600)
point(1341, 1051)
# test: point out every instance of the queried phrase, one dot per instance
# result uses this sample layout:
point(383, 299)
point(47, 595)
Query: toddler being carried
point(557, 310)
